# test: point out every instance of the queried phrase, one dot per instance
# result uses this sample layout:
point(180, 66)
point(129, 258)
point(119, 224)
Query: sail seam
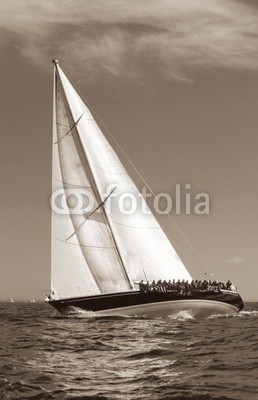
point(72, 184)
point(136, 227)
point(84, 245)
point(109, 172)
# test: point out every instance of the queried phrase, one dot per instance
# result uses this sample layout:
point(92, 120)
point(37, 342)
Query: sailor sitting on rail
point(184, 287)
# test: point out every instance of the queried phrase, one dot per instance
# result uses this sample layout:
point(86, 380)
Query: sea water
point(44, 355)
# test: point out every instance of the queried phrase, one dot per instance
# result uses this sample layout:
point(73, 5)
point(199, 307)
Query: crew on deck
point(184, 287)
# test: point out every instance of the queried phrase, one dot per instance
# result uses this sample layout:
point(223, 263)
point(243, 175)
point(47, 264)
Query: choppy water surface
point(44, 355)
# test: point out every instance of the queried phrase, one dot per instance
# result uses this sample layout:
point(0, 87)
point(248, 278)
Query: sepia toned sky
point(176, 83)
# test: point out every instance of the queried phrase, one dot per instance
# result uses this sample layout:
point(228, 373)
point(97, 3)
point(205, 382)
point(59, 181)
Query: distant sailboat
point(97, 258)
point(12, 301)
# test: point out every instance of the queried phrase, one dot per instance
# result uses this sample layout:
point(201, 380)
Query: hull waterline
point(153, 304)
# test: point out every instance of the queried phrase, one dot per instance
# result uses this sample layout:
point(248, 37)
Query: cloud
point(132, 37)
point(234, 260)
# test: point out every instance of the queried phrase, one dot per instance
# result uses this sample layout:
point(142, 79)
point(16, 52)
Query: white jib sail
point(110, 249)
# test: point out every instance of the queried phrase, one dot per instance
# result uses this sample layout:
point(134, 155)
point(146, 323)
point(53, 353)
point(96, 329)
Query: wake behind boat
point(100, 255)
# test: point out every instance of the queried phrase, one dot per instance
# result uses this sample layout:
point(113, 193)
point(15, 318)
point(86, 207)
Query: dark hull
point(136, 303)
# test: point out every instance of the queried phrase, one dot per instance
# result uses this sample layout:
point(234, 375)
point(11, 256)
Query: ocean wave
point(90, 356)
point(190, 396)
point(240, 314)
point(223, 316)
point(76, 312)
point(150, 354)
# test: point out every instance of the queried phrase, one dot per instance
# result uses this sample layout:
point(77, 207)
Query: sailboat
point(99, 257)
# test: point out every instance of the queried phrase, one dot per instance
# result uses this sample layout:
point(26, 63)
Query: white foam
point(80, 313)
point(253, 313)
point(182, 315)
point(235, 315)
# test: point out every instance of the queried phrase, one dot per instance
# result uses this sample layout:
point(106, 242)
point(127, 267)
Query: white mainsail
point(106, 251)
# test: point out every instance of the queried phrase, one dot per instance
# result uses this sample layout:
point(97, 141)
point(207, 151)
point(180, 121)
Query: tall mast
point(93, 178)
point(53, 136)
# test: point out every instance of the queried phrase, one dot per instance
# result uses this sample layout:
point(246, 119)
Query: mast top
point(55, 61)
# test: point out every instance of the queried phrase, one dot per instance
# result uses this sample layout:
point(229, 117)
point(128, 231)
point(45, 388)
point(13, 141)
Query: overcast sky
point(175, 81)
